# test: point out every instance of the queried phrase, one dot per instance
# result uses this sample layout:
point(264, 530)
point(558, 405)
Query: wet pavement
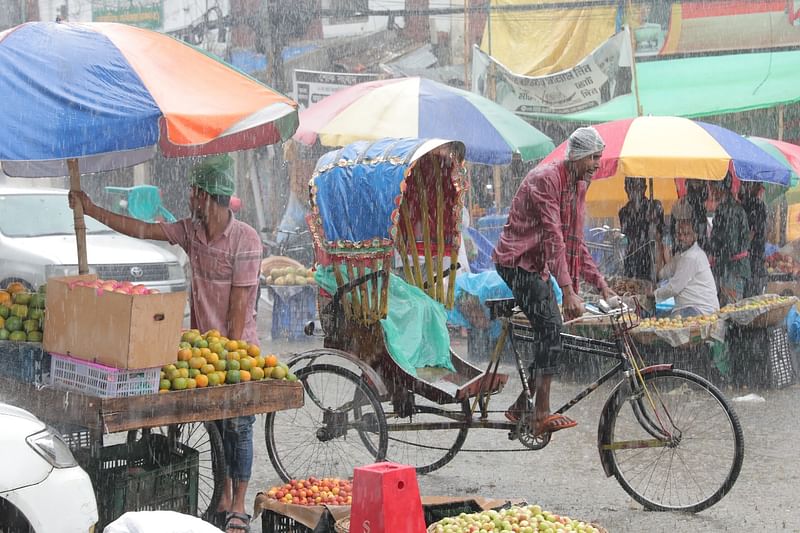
point(567, 477)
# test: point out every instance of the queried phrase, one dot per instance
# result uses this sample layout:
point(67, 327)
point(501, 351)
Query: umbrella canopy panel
point(418, 107)
point(109, 94)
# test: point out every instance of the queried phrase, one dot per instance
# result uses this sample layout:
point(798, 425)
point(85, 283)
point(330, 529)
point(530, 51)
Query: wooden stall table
point(180, 421)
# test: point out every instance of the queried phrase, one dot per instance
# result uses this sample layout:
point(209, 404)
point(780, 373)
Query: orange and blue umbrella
point(671, 147)
point(421, 108)
point(109, 95)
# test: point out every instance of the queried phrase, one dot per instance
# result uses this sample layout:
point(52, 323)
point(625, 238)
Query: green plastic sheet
point(415, 327)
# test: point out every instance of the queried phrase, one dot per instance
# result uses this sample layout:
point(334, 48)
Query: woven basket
point(278, 261)
point(432, 528)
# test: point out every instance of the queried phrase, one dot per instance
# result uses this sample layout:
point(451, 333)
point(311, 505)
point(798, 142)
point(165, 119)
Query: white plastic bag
point(158, 522)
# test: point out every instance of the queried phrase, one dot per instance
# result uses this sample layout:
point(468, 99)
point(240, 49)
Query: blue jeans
point(237, 440)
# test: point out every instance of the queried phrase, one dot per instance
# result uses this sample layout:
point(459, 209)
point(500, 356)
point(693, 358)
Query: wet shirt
point(756, 211)
point(634, 222)
point(730, 239)
point(233, 259)
point(690, 281)
point(544, 231)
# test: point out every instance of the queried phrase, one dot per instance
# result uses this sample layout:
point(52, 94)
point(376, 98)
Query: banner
point(146, 14)
point(602, 75)
point(311, 86)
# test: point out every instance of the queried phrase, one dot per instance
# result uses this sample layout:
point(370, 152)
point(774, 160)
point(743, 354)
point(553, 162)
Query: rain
point(538, 255)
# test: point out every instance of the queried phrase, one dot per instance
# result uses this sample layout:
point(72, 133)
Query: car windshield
point(38, 215)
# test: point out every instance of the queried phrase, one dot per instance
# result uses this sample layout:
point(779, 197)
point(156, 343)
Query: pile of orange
point(209, 359)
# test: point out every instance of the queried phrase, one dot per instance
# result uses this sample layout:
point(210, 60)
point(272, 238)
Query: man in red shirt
point(225, 256)
point(544, 237)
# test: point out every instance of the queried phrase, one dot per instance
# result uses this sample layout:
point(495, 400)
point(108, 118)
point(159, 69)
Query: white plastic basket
point(103, 381)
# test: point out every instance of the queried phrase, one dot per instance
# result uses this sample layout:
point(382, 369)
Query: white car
point(42, 488)
point(37, 241)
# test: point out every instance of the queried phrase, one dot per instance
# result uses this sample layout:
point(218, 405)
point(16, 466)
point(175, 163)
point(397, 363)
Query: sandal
point(553, 423)
point(244, 526)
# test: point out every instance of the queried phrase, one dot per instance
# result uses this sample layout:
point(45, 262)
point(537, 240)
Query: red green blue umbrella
point(789, 155)
point(108, 95)
point(421, 108)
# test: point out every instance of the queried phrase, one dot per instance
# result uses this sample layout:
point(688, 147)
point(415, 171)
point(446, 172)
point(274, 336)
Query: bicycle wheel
point(206, 439)
point(340, 426)
point(421, 433)
point(682, 451)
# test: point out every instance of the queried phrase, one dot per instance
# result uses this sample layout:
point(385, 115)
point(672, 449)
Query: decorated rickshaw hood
point(356, 191)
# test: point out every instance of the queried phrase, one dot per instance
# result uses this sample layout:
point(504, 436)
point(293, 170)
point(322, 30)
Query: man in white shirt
point(690, 280)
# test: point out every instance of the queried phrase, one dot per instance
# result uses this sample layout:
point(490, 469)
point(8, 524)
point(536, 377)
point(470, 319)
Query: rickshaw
point(386, 222)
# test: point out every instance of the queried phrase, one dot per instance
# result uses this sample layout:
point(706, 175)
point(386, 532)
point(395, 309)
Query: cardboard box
point(113, 329)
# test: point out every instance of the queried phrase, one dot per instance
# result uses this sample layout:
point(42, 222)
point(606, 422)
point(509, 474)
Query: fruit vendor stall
point(133, 395)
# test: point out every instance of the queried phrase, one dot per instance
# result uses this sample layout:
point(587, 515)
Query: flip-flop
point(555, 422)
point(242, 517)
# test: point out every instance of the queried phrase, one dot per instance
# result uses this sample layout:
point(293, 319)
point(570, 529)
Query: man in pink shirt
point(225, 256)
point(544, 237)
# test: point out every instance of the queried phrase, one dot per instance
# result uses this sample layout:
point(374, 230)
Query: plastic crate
point(292, 309)
point(272, 522)
point(103, 381)
point(149, 475)
point(24, 361)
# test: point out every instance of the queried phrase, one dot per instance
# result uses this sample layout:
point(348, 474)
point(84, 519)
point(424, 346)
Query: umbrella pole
point(77, 214)
point(652, 241)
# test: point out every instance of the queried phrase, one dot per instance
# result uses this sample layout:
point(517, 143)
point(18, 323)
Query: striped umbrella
point(671, 147)
point(422, 108)
point(89, 97)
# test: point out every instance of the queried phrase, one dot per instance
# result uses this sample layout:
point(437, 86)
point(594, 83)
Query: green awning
point(702, 86)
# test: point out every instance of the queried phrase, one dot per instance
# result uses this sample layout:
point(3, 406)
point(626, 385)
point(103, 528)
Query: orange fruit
point(162, 391)
point(213, 379)
point(231, 346)
point(212, 333)
point(205, 352)
point(246, 363)
point(5, 297)
point(15, 287)
point(184, 354)
point(220, 365)
point(212, 340)
point(234, 356)
point(196, 352)
point(260, 361)
point(183, 372)
point(253, 350)
point(208, 369)
point(202, 381)
point(234, 365)
point(212, 358)
point(257, 373)
point(244, 375)
point(197, 362)
point(242, 345)
point(271, 360)
point(191, 383)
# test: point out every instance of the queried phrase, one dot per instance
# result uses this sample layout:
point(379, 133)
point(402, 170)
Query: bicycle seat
point(500, 307)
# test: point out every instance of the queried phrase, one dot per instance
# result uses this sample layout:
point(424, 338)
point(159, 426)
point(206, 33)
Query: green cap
point(214, 175)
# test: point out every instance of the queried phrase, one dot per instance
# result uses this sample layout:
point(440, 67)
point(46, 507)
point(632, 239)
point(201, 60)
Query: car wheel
point(12, 519)
point(6, 282)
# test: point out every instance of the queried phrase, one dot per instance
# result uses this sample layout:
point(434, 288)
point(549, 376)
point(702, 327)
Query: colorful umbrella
point(109, 94)
point(89, 97)
point(671, 147)
point(418, 107)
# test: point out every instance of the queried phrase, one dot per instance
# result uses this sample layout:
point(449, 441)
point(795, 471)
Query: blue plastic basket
point(292, 309)
point(24, 361)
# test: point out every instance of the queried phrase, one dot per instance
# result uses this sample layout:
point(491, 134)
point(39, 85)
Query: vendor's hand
point(608, 294)
point(572, 305)
point(80, 197)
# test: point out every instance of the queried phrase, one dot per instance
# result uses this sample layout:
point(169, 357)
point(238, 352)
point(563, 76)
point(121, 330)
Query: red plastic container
point(386, 500)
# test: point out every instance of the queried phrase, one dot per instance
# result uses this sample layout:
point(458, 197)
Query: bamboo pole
point(337, 272)
point(422, 191)
point(440, 248)
point(385, 288)
point(356, 298)
point(77, 216)
point(451, 285)
point(467, 81)
point(411, 240)
point(634, 78)
point(400, 242)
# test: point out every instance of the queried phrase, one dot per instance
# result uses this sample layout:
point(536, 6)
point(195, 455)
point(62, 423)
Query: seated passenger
point(688, 273)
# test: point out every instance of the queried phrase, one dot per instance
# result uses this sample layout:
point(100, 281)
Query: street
point(567, 478)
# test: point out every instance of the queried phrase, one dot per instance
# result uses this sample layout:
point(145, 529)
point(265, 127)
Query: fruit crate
point(24, 361)
point(72, 374)
point(272, 522)
point(152, 474)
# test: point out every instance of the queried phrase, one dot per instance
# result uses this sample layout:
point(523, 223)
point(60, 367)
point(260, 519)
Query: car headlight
point(52, 448)
point(175, 271)
point(57, 271)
